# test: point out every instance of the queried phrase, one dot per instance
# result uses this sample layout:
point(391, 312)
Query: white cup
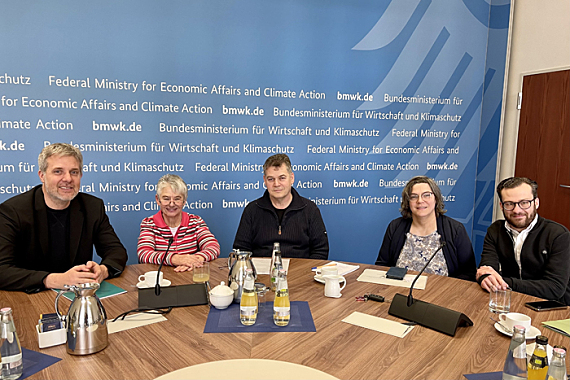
point(331, 270)
point(149, 278)
point(332, 285)
point(513, 319)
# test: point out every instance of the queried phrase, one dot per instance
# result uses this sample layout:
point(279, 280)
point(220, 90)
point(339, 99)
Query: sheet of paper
point(132, 321)
point(262, 264)
point(379, 277)
point(378, 324)
point(343, 269)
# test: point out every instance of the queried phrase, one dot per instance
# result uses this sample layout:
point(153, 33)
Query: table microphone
point(157, 286)
point(410, 298)
point(427, 314)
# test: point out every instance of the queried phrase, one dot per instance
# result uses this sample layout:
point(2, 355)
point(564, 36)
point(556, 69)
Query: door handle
point(565, 186)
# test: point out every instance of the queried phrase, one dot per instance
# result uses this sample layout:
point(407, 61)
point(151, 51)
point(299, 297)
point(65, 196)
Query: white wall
point(540, 42)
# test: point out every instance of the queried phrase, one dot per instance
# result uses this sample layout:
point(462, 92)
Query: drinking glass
point(201, 274)
point(261, 290)
point(500, 301)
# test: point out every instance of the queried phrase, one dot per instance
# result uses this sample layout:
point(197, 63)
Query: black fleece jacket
point(301, 234)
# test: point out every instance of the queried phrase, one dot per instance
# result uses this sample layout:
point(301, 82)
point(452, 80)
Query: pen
point(326, 265)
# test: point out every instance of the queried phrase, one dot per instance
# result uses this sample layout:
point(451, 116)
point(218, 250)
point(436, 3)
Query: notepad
point(105, 290)
point(561, 326)
point(342, 268)
point(379, 277)
point(262, 264)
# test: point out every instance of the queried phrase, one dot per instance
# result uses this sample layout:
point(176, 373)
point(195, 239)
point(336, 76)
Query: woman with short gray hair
point(192, 241)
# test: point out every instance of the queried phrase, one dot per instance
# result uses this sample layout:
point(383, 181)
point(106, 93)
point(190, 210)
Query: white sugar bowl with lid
point(221, 296)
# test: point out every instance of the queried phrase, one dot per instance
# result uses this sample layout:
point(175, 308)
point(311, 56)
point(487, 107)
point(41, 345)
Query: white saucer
point(319, 278)
point(531, 333)
point(143, 285)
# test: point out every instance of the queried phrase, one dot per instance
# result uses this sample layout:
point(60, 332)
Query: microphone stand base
point(428, 315)
point(174, 296)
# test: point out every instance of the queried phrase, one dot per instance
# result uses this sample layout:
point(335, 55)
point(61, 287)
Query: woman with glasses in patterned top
point(411, 240)
point(192, 241)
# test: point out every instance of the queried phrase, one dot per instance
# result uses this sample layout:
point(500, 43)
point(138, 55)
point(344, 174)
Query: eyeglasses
point(168, 200)
point(524, 204)
point(425, 196)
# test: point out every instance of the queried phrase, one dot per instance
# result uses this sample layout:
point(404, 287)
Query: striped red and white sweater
point(192, 237)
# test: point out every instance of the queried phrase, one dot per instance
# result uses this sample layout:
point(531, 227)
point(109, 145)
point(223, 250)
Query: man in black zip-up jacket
point(525, 252)
point(283, 216)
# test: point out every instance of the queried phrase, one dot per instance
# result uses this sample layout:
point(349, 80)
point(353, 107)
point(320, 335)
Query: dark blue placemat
point(485, 376)
point(35, 361)
point(227, 320)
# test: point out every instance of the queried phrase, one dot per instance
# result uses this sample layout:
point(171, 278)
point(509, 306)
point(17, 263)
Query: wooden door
point(543, 150)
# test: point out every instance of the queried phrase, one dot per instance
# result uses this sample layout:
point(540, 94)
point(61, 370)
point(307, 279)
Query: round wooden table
point(338, 349)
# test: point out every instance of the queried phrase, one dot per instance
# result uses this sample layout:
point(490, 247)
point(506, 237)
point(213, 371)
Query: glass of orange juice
point(201, 274)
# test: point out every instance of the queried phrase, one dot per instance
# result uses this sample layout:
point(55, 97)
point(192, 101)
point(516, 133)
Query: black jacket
point(545, 259)
point(302, 232)
point(24, 240)
point(458, 251)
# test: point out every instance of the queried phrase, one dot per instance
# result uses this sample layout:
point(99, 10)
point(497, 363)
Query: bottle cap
point(520, 329)
point(541, 339)
point(560, 352)
point(562, 347)
point(6, 309)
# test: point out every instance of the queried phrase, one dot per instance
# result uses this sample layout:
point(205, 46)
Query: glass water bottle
point(276, 247)
point(10, 349)
point(557, 368)
point(515, 364)
point(281, 305)
point(276, 265)
point(248, 304)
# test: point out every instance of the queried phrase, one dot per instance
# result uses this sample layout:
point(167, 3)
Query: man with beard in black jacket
point(525, 252)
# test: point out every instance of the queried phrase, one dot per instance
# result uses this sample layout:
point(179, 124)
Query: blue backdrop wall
point(361, 95)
